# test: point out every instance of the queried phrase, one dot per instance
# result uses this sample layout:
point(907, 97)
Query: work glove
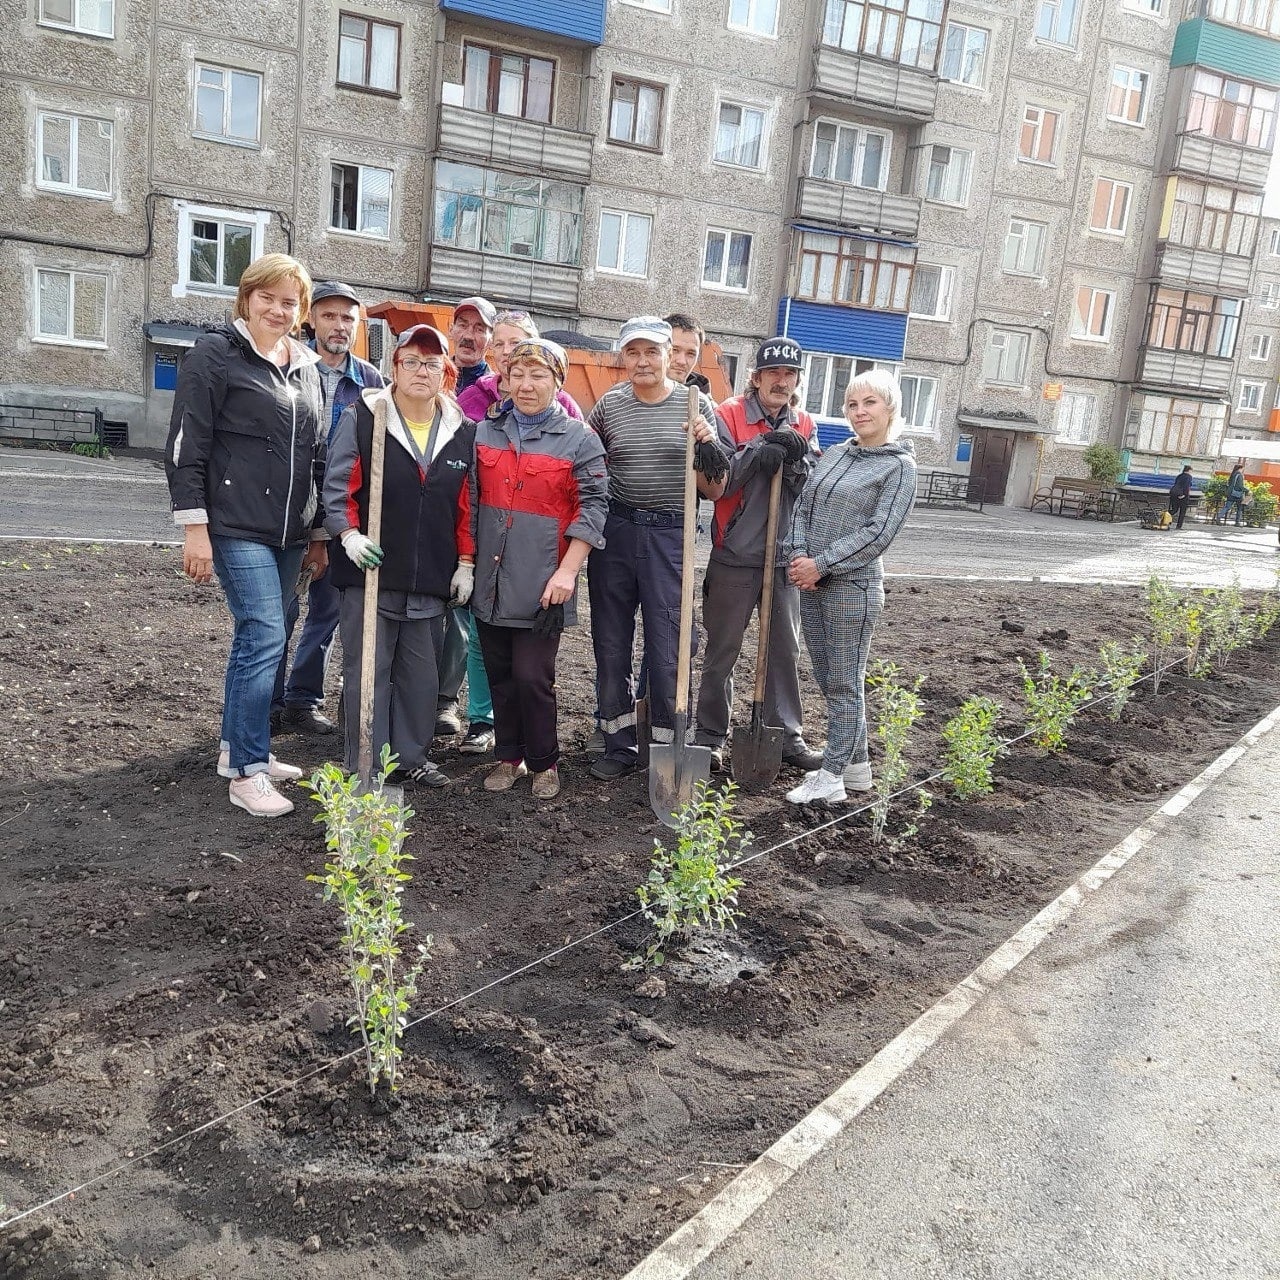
point(791, 440)
point(363, 552)
point(462, 584)
point(709, 460)
point(770, 457)
point(549, 622)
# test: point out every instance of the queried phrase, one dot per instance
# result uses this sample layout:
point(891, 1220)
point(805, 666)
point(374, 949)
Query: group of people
point(495, 494)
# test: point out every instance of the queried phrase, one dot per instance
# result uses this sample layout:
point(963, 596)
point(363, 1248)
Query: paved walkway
point(1109, 1110)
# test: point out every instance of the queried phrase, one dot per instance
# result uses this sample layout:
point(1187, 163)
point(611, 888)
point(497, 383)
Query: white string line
point(72, 1192)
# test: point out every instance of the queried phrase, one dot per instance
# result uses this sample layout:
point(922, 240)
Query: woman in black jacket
point(245, 460)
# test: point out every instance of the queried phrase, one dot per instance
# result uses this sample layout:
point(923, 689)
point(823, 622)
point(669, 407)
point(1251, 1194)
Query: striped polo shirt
point(645, 445)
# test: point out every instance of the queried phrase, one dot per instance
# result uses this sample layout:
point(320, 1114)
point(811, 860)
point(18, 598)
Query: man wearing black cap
point(765, 435)
point(335, 317)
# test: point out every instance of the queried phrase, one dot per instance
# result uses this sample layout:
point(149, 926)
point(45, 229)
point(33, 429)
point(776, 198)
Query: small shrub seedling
point(1052, 702)
point(971, 747)
point(1227, 627)
point(1268, 612)
point(897, 707)
point(365, 832)
point(1164, 618)
point(687, 887)
point(1121, 667)
point(1191, 621)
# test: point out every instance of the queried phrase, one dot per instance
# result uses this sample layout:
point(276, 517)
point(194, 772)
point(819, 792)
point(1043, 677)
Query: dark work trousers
point(305, 687)
point(522, 684)
point(404, 681)
point(639, 568)
point(453, 655)
point(730, 595)
point(1178, 508)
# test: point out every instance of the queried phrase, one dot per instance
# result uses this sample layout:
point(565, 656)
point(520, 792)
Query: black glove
point(710, 461)
point(549, 622)
point(770, 457)
point(791, 440)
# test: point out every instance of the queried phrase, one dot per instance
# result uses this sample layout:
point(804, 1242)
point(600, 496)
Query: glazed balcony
point(844, 207)
point(540, 286)
point(508, 142)
point(1221, 162)
point(889, 88)
point(1183, 370)
point(1202, 269)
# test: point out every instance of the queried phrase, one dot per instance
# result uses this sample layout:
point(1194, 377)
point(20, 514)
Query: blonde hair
point(521, 320)
point(265, 273)
point(886, 386)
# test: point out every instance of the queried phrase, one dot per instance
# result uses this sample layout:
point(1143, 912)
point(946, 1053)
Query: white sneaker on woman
point(256, 795)
point(277, 771)
point(819, 787)
point(857, 777)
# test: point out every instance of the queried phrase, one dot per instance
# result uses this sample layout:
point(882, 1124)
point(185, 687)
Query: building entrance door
point(991, 462)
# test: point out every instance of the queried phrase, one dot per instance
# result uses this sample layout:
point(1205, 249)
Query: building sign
point(1052, 391)
point(964, 447)
point(166, 371)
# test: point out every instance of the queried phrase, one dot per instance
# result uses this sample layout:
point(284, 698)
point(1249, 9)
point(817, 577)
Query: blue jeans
point(259, 581)
point(1238, 503)
point(311, 657)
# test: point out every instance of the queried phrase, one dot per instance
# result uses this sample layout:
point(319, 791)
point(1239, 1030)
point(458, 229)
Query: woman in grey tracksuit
point(854, 503)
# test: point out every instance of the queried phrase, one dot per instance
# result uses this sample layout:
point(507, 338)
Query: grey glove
point(462, 584)
point(363, 552)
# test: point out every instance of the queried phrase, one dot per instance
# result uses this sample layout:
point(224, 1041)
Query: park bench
point(1075, 496)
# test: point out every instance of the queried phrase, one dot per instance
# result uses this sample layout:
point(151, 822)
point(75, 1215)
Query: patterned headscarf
point(541, 351)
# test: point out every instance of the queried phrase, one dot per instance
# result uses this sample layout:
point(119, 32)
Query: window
point(228, 104)
point(850, 153)
point(919, 401)
point(759, 17)
point(1166, 424)
point(1056, 21)
point(1075, 418)
point(656, 6)
point(1005, 361)
point(635, 114)
point(1269, 297)
point(1153, 8)
point(75, 154)
point(507, 84)
point(1273, 242)
point(826, 378)
point(1221, 219)
point(1038, 139)
point(726, 262)
point(490, 211)
point(1091, 319)
point(361, 200)
point(931, 292)
point(1179, 320)
point(964, 54)
point(89, 17)
point(624, 242)
point(850, 272)
point(1232, 111)
point(1250, 398)
point(215, 246)
point(1110, 210)
point(740, 136)
point(906, 31)
point(729, 363)
point(947, 177)
point(1260, 346)
point(1260, 15)
point(368, 53)
point(1127, 100)
point(71, 306)
point(1024, 247)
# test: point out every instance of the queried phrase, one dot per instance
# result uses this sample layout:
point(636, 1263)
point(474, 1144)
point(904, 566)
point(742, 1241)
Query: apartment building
point(1044, 214)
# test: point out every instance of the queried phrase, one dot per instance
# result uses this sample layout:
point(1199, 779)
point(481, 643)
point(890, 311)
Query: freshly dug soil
point(164, 961)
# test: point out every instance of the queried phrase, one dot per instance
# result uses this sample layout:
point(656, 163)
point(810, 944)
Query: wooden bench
point(1074, 496)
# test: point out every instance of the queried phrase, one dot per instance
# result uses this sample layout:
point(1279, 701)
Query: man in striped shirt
point(642, 423)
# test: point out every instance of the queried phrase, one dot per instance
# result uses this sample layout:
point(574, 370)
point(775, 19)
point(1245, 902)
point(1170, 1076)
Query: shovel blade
point(675, 769)
point(642, 731)
point(756, 760)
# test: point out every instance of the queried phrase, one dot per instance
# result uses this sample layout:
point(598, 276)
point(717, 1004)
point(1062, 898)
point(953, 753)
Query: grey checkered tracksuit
point(851, 509)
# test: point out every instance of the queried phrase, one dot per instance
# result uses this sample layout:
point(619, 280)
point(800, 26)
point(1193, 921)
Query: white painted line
point(690, 1245)
point(115, 542)
point(81, 477)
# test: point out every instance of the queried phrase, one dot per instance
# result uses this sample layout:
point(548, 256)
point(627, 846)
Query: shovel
point(676, 767)
point(757, 752)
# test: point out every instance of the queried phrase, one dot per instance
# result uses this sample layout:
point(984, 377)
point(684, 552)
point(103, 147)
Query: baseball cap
point(650, 328)
point(332, 289)
point(424, 335)
point(481, 306)
point(779, 353)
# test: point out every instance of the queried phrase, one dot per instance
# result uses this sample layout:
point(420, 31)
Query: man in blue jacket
point(297, 705)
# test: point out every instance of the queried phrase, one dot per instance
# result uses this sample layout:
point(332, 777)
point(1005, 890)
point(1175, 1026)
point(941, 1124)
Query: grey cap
point(649, 328)
point(481, 306)
point(332, 289)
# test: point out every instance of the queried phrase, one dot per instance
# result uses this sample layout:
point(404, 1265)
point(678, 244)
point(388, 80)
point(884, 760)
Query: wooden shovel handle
point(683, 661)
point(369, 634)
point(766, 588)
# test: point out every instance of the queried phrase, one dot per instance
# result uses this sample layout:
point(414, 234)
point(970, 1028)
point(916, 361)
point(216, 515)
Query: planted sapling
point(897, 707)
point(1165, 621)
point(1226, 625)
point(1121, 667)
point(971, 747)
point(1052, 702)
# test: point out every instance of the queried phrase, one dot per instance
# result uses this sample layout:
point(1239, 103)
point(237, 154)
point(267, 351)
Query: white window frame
point(69, 339)
point(946, 284)
point(1004, 341)
point(969, 30)
point(225, 138)
point(911, 401)
point(652, 6)
point(1037, 128)
point(1072, 406)
point(1269, 296)
point(1143, 91)
point(748, 28)
point(1251, 397)
point(1260, 347)
point(1082, 321)
point(1024, 240)
point(1273, 244)
point(627, 217)
point(857, 365)
point(1116, 185)
point(1147, 8)
point(962, 200)
point(73, 187)
point(360, 179)
point(729, 235)
point(76, 24)
point(860, 149)
point(191, 213)
point(1055, 10)
point(766, 118)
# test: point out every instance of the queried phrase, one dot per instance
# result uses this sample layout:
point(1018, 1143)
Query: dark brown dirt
point(164, 961)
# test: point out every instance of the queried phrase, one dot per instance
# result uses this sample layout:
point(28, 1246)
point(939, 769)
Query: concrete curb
point(686, 1248)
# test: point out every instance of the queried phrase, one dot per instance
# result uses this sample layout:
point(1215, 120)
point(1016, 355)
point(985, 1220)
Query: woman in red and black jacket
point(425, 551)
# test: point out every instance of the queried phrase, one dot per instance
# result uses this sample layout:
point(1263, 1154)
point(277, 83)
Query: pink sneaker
point(257, 796)
point(277, 771)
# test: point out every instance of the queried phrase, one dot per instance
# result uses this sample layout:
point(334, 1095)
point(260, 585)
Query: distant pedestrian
point(1180, 495)
point(1236, 490)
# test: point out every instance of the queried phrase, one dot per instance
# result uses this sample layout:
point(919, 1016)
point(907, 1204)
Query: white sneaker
point(257, 796)
point(857, 777)
point(819, 787)
point(276, 770)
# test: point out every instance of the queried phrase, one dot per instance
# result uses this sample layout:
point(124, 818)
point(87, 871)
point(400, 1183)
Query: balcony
point(887, 87)
point(581, 21)
point(540, 286)
point(847, 208)
point(1202, 269)
point(507, 142)
point(1220, 161)
point(1183, 371)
